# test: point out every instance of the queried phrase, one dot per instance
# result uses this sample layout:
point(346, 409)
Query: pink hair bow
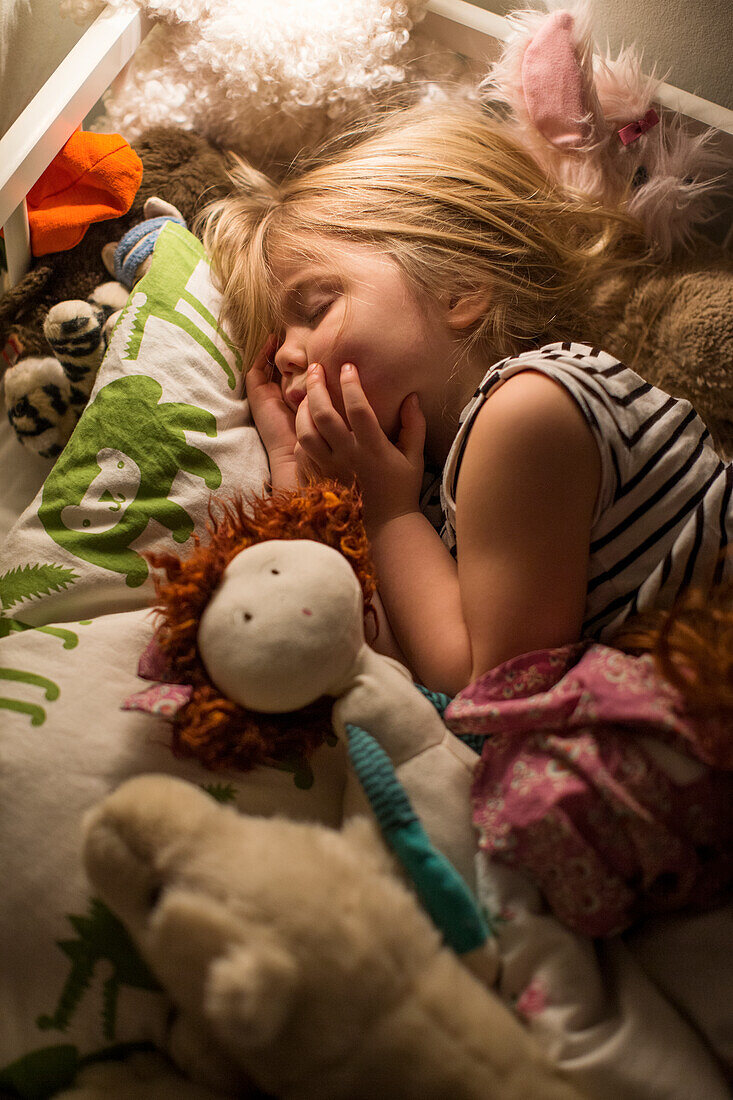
point(634, 130)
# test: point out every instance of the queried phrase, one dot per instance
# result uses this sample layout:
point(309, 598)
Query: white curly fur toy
point(593, 121)
point(263, 79)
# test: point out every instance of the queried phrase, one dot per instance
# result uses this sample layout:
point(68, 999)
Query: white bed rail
point(54, 113)
point(102, 52)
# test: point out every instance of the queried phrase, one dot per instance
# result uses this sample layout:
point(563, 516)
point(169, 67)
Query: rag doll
point(288, 708)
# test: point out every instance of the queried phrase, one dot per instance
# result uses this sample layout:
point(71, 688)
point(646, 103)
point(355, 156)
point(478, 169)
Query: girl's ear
point(465, 310)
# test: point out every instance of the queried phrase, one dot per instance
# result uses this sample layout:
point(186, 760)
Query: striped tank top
point(663, 517)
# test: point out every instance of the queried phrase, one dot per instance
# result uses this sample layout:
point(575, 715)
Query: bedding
point(165, 427)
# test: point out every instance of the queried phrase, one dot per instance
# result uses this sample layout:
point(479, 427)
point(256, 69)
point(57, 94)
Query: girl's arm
point(524, 508)
point(418, 583)
point(525, 498)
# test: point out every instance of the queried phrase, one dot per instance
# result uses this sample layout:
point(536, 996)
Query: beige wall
point(33, 40)
point(691, 38)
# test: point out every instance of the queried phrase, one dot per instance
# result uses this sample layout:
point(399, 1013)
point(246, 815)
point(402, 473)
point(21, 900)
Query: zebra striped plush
point(45, 396)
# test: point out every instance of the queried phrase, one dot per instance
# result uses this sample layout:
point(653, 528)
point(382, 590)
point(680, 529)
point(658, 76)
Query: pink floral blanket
point(604, 813)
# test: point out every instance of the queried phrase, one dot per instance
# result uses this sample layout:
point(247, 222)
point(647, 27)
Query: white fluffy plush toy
point(295, 955)
point(264, 79)
point(296, 960)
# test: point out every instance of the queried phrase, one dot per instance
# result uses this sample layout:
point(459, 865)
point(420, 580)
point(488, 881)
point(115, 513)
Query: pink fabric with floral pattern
point(592, 780)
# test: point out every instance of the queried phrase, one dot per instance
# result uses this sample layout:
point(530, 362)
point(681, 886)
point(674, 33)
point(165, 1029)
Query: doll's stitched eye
point(247, 616)
point(277, 571)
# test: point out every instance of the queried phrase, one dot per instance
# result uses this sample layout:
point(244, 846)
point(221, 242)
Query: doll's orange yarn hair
point(692, 646)
point(218, 732)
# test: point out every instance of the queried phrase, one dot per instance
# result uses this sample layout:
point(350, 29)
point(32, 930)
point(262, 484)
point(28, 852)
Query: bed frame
point(104, 50)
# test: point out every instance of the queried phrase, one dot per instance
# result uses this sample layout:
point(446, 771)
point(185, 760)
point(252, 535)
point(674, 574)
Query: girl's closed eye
point(317, 312)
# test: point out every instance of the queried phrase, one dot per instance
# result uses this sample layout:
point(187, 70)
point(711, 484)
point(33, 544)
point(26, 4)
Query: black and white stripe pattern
point(663, 517)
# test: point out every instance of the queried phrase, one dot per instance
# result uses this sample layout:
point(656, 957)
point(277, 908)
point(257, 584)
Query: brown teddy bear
point(673, 325)
point(60, 349)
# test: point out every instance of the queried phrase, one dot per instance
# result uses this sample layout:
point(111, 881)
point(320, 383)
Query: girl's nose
point(291, 357)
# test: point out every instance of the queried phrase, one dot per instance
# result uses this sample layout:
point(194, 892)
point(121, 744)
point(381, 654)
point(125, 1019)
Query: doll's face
point(354, 305)
point(284, 627)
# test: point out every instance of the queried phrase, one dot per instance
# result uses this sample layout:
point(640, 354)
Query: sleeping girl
point(417, 293)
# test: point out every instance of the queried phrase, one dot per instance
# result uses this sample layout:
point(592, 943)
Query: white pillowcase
point(166, 425)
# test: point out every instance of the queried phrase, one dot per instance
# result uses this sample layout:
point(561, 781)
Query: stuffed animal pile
point(296, 958)
point(54, 322)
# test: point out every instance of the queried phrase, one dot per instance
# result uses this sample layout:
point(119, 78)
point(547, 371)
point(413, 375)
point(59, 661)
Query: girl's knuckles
point(326, 420)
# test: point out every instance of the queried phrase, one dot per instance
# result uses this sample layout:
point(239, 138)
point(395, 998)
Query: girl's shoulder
point(532, 420)
point(568, 357)
point(626, 415)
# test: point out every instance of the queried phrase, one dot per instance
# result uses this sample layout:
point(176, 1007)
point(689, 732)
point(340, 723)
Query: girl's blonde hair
point(444, 191)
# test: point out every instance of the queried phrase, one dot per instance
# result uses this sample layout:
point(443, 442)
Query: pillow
point(165, 426)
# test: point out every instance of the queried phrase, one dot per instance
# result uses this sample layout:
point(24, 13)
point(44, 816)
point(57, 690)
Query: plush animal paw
point(46, 395)
point(78, 332)
point(38, 404)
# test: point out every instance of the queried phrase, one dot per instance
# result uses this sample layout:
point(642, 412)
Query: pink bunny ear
point(553, 84)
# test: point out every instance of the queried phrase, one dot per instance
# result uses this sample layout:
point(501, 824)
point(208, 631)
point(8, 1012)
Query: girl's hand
point(274, 420)
point(389, 476)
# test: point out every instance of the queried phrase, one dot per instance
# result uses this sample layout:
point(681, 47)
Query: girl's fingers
point(263, 359)
point(411, 440)
point(307, 469)
point(254, 377)
point(258, 386)
point(327, 420)
point(359, 412)
point(308, 436)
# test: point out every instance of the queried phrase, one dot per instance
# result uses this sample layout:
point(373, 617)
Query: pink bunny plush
point(594, 123)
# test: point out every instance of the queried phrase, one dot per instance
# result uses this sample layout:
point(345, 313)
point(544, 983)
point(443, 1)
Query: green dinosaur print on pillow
point(36, 713)
point(167, 292)
point(29, 581)
point(101, 941)
point(117, 471)
point(49, 688)
point(69, 639)
point(42, 1073)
